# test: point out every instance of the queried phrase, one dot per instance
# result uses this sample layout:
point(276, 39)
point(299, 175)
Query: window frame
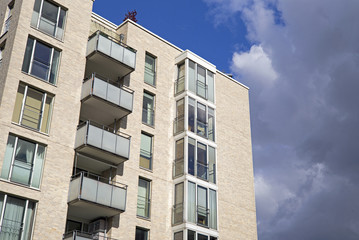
point(147, 231)
point(40, 13)
point(147, 198)
point(146, 111)
point(29, 64)
point(34, 161)
point(45, 97)
point(25, 222)
point(150, 153)
point(152, 71)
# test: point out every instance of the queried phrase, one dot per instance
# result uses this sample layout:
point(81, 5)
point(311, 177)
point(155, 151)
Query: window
point(178, 235)
point(2, 47)
point(32, 108)
point(146, 151)
point(179, 120)
point(17, 216)
point(41, 60)
point(143, 198)
point(201, 160)
point(202, 206)
point(23, 162)
point(200, 81)
point(7, 18)
point(141, 234)
point(178, 205)
point(201, 119)
point(150, 70)
point(179, 159)
point(148, 113)
point(179, 86)
point(49, 18)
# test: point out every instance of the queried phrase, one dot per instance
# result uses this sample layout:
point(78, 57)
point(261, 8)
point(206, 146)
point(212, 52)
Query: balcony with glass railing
point(102, 143)
point(180, 85)
point(177, 214)
point(178, 125)
point(91, 196)
point(106, 54)
point(103, 100)
point(78, 235)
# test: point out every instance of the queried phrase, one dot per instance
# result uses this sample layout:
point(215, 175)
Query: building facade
point(111, 132)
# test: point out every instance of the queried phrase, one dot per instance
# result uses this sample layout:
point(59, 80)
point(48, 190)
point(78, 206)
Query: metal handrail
point(88, 235)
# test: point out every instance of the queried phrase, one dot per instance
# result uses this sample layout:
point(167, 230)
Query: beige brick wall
point(52, 196)
point(236, 205)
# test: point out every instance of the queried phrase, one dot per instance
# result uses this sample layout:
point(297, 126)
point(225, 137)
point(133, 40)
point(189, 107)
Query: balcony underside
point(90, 211)
point(101, 111)
point(102, 64)
point(101, 154)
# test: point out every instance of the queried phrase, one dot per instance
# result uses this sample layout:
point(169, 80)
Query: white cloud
point(254, 65)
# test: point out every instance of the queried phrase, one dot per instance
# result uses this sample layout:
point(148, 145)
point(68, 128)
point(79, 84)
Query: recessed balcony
point(103, 101)
point(101, 143)
point(106, 54)
point(91, 197)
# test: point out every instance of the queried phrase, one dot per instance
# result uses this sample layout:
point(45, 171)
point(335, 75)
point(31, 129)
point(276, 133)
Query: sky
point(300, 59)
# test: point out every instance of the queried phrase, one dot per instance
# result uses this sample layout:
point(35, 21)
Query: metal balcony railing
point(202, 89)
point(102, 138)
point(202, 215)
point(108, 90)
point(113, 48)
point(78, 235)
point(202, 171)
point(98, 190)
point(202, 128)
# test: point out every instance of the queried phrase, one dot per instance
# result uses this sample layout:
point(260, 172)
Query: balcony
point(107, 55)
point(104, 101)
point(77, 235)
point(101, 143)
point(92, 197)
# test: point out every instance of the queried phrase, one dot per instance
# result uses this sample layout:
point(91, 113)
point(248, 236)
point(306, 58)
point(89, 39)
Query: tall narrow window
point(2, 47)
point(17, 217)
point(201, 120)
point(178, 205)
point(49, 18)
point(178, 235)
point(141, 234)
point(211, 164)
point(7, 18)
point(192, 76)
point(179, 158)
point(179, 87)
point(41, 60)
point(23, 162)
point(191, 202)
point(202, 207)
point(201, 82)
point(150, 70)
point(191, 235)
point(191, 114)
point(210, 81)
point(212, 209)
point(148, 113)
point(191, 155)
point(32, 108)
point(202, 168)
point(143, 198)
point(211, 124)
point(146, 151)
point(179, 121)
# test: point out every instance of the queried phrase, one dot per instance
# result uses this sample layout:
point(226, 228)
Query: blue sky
point(188, 26)
point(300, 59)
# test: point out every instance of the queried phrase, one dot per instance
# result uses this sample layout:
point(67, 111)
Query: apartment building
point(111, 132)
